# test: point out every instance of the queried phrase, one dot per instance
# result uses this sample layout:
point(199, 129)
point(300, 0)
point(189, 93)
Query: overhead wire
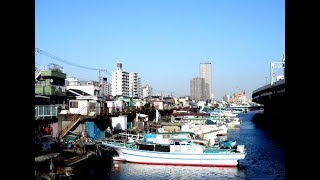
point(38, 50)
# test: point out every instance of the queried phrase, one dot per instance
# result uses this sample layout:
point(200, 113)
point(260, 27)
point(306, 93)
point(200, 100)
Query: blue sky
point(164, 41)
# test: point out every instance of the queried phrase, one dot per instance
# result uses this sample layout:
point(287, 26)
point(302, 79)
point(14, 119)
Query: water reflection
point(140, 171)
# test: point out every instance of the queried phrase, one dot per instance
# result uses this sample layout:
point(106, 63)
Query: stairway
point(37, 76)
point(76, 118)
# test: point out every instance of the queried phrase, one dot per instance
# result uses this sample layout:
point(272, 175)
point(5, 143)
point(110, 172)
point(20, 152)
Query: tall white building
point(206, 73)
point(125, 83)
point(146, 91)
point(134, 85)
point(139, 83)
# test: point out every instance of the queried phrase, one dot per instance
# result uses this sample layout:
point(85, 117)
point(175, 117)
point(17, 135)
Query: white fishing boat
point(179, 152)
point(232, 122)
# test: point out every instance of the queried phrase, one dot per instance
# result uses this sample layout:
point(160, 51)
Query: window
point(73, 104)
point(92, 106)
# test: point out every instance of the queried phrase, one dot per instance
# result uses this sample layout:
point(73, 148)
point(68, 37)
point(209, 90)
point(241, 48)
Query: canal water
point(265, 160)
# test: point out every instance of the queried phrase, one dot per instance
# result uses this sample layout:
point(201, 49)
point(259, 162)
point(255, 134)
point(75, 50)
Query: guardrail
point(45, 111)
point(267, 90)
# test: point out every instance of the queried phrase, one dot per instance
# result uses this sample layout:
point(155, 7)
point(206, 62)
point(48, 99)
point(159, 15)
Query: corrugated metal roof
point(39, 96)
point(79, 92)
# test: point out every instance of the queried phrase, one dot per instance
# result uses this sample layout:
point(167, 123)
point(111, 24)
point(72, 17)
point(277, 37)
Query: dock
point(73, 160)
point(46, 157)
point(60, 164)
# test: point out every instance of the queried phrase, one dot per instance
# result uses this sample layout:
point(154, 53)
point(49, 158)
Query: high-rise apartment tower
point(206, 73)
point(125, 83)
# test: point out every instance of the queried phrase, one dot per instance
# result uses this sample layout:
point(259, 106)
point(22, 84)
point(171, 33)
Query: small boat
point(182, 152)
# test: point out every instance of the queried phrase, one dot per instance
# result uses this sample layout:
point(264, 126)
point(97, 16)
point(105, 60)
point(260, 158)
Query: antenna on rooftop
point(119, 59)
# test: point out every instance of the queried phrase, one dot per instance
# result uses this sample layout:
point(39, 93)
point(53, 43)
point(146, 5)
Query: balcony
point(50, 90)
point(53, 73)
point(45, 111)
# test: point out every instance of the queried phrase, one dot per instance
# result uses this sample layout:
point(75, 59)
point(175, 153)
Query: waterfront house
point(50, 97)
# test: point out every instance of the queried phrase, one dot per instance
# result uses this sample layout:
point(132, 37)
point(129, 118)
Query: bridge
point(273, 97)
point(275, 91)
point(268, 92)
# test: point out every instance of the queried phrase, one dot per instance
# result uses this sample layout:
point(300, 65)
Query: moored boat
point(179, 152)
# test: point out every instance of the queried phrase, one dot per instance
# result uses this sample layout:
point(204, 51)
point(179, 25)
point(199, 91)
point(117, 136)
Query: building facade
point(205, 71)
point(90, 87)
point(50, 82)
point(197, 89)
point(134, 85)
point(146, 91)
point(226, 98)
point(105, 87)
point(125, 83)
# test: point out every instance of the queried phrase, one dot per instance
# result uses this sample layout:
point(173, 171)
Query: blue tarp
point(227, 144)
point(149, 137)
point(93, 130)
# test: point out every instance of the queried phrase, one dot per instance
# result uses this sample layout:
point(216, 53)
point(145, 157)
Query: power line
point(64, 61)
point(42, 52)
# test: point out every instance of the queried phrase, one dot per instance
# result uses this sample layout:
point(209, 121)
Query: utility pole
point(101, 80)
point(266, 80)
point(72, 64)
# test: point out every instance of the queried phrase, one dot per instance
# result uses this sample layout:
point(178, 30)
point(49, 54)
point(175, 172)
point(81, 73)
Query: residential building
point(120, 82)
point(197, 89)
point(50, 98)
point(124, 83)
point(226, 98)
point(90, 87)
point(146, 91)
point(50, 82)
point(205, 71)
point(105, 87)
point(134, 85)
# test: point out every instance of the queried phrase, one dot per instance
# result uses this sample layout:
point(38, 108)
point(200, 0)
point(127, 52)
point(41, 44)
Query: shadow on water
point(273, 125)
point(93, 169)
point(265, 150)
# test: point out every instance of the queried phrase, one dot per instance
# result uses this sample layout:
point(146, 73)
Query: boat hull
point(223, 159)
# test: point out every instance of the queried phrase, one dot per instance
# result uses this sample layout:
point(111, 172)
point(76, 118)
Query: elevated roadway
point(273, 97)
